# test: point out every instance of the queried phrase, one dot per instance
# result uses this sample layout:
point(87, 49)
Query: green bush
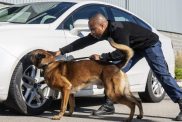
point(178, 62)
point(178, 73)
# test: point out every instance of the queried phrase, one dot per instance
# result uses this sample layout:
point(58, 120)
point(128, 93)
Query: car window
point(52, 14)
point(142, 23)
point(120, 15)
point(18, 17)
point(84, 13)
point(22, 13)
point(8, 12)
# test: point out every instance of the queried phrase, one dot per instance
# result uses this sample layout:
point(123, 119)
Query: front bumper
point(7, 65)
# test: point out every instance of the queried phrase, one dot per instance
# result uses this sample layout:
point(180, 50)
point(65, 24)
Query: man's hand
point(57, 53)
point(95, 57)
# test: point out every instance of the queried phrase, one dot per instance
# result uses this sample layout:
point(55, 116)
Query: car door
point(138, 73)
point(84, 13)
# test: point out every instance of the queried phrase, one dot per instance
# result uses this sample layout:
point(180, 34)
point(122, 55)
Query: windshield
point(8, 12)
point(52, 14)
point(23, 13)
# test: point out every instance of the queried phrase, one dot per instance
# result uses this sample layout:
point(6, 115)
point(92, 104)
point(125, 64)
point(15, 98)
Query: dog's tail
point(125, 49)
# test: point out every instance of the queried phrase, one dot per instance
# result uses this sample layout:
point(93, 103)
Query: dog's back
point(84, 71)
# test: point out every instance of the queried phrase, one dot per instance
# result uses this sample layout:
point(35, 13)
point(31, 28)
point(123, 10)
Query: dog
point(71, 76)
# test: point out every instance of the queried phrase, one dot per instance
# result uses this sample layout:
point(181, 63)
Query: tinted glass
point(52, 14)
point(142, 23)
point(84, 13)
point(120, 15)
point(7, 13)
point(22, 13)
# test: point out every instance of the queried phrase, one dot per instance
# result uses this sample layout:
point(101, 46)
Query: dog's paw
point(127, 120)
point(56, 117)
point(68, 114)
point(139, 117)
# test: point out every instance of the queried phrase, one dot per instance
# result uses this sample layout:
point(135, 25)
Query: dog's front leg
point(71, 104)
point(65, 91)
point(64, 102)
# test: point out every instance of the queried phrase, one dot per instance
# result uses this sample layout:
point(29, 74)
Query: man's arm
point(79, 44)
point(112, 56)
point(121, 36)
point(122, 49)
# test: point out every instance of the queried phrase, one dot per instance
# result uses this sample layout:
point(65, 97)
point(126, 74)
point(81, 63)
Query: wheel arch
point(15, 61)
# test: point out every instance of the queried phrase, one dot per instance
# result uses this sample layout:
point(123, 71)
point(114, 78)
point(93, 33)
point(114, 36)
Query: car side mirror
point(79, 26)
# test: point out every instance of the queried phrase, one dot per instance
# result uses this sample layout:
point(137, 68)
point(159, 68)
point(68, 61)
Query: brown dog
point(69, 77)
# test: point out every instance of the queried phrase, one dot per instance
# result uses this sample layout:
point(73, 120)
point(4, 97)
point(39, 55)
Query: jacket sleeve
point(112, 56)
point(120, 36)
point(79, 44)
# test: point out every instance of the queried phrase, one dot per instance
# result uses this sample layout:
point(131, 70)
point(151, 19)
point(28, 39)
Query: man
point(144, 43)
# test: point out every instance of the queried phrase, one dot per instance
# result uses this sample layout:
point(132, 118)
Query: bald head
point(97, 19)
point(98, 24)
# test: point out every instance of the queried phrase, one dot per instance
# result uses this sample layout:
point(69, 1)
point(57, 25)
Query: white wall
point(162, 14)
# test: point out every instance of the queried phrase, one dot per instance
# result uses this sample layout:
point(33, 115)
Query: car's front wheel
point(154, 92)
point(28, 94)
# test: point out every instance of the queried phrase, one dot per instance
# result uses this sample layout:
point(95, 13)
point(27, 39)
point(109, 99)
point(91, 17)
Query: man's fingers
point(57, 53)
point(92, 57)
point(95, 57)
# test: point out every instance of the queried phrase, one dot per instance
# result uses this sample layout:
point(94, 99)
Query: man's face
point(96, 29)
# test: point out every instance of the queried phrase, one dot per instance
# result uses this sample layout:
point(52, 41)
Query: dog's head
point(41, 58)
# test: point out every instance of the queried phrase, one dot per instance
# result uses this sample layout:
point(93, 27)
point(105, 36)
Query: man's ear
point(40, 56)
point(52, 53)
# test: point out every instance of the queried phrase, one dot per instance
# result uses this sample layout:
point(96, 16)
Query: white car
point(21, 86)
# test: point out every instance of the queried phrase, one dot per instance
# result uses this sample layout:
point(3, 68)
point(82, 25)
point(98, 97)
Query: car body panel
point(8, 63)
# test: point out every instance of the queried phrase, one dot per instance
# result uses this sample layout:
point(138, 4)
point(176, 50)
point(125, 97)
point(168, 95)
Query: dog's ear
point(52, 53)
point(40, 56)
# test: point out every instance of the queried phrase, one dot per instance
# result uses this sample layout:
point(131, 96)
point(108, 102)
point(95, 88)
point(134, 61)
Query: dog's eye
point(39, 56)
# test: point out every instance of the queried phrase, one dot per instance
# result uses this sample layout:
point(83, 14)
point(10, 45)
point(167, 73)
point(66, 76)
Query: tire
point(154, 92)
point(25, 95)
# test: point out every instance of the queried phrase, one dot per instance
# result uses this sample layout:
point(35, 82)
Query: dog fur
point(70, 76)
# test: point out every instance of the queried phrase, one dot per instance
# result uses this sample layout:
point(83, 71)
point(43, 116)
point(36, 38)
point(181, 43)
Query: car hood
point(12, 26)
point(8, 23)
point(5, 23)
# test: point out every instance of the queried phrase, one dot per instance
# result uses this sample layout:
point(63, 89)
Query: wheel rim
point(34, 91)
point(157, 88)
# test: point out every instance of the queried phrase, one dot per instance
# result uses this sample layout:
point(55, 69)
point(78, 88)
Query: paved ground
point(164, 111)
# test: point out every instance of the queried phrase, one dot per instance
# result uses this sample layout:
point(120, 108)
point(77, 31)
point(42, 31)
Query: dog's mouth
point(43, 66)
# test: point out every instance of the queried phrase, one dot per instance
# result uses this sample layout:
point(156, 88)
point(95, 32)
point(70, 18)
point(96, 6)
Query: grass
point(178, 73)
point(178, 67)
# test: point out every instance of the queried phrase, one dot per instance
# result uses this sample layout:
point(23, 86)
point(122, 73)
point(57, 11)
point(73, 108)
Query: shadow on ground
point(80, 104)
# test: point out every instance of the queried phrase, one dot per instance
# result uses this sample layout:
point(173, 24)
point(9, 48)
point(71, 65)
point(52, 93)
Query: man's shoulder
point(124, 25)
point(120, 24)
point(113, 26)
point(116, 23)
